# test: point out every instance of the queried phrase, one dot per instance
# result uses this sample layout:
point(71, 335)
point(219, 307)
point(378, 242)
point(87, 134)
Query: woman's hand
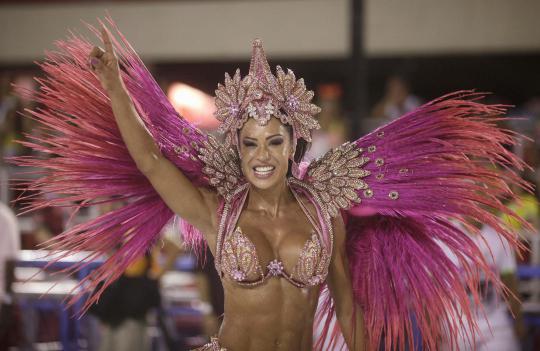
point(105, 64)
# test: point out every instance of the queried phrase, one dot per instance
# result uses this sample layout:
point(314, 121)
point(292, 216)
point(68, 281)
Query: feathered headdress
point(262, 95)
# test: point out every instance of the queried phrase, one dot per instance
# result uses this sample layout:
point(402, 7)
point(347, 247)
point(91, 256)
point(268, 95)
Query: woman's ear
point(291, 154)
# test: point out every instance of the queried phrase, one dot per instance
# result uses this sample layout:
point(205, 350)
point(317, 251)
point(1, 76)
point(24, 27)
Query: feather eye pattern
point(447, 158)
point(429, 175)
point(79, 156)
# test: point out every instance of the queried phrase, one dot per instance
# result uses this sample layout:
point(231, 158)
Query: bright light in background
point(193, 104)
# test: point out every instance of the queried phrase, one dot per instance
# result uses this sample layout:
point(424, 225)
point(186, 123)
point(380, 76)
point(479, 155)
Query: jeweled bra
point(236, 255)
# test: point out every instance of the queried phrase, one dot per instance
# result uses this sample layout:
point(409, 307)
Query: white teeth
point(264, 169)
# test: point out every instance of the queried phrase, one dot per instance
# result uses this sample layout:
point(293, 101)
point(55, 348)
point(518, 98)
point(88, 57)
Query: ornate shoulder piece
point(337, 177)
point(221, 166)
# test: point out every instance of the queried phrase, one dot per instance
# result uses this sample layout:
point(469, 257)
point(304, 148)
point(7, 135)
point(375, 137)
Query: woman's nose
point(263, 153)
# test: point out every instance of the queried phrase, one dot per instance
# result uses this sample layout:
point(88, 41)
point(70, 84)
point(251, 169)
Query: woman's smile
point(263, 172)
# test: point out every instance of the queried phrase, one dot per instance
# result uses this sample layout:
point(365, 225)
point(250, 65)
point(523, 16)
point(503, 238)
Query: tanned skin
point(275, 315)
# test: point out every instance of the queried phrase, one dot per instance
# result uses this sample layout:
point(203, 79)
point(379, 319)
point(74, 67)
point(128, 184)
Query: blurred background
point(367, 61)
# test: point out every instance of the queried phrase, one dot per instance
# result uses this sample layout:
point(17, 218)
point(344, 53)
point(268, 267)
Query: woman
point(288, 260)
point(272, 219)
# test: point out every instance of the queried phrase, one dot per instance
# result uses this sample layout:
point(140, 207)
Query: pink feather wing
point(444, 164)
point(79, 155)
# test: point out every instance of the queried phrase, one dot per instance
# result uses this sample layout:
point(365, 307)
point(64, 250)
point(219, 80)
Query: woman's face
point(265, 152)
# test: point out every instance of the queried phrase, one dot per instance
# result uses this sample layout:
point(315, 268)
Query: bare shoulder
point(336, 221)
point(308, 203)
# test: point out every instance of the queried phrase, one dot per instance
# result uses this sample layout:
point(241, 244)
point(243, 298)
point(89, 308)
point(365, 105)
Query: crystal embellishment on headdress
point(261, 95)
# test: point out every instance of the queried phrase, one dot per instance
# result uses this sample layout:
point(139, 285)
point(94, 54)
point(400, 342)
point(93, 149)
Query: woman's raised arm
point(196, 205)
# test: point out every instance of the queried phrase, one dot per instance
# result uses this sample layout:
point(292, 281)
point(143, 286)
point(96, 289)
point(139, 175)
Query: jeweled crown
point(261, 95)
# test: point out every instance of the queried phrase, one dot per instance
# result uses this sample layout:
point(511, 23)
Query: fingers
point(100, 58)
point(95, 56)
point(106, 40)
point(97, 52)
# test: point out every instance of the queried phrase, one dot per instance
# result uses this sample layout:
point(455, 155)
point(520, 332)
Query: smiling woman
point(265, 152)
point(289, 245)
point(302, 146)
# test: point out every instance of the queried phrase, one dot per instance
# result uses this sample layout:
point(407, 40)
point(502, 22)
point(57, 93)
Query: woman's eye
point(249, 144)
point(276, 141)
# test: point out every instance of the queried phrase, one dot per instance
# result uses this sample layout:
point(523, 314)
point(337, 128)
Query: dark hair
point(302, 146)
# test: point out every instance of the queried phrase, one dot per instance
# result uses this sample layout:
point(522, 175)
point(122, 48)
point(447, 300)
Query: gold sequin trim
point(393, 195)
point(221, 232)
point(213, 345)
point(337, 176)
point(368, 193)
point(221, 166)
point(312, 263)
point(379, 162)
point(236, 99)
point(372, 148)
point(239, 257)
point(223, 225)
point(379, 176)
point(380, 134)
point(320, 203)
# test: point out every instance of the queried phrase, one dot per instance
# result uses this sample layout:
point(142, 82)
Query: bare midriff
point(273, 316)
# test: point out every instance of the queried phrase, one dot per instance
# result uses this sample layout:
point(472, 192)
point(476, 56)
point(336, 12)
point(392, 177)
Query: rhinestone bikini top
point(238, 259)
point(241, 263)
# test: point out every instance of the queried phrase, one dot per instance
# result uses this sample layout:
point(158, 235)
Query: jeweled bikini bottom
point(213, 345)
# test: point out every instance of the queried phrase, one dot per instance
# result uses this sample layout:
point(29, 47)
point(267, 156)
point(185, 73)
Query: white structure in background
point(10, 242)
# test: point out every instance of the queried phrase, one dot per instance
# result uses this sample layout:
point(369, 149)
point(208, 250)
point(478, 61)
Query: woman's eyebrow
point(271, 136)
